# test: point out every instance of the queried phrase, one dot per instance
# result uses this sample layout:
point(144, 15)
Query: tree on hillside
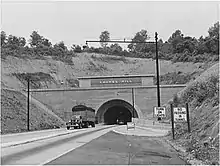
point(46, 42)
point(39, 41)
point(115, 48)
point(22, 41)
point(160, 44)
point(175, 39)
point(213, 38)
point(61, 46)
point(188, 44)
point(105, 36)
point(76, 48)
point(36, 39)
point(15, 42)
point(201, 47)
point(214, 31)
point(3, 38)
point(140, 36)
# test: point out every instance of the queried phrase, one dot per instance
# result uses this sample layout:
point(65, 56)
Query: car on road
point(121, 122)
point(80, 117)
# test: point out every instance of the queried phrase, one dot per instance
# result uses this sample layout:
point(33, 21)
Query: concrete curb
point(142, 128)
point(6, 145)
point(118, 132)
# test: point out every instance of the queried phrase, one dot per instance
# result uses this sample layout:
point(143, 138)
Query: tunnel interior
point(117, 112)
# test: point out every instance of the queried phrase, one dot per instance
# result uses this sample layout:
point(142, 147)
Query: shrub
point(200, 91)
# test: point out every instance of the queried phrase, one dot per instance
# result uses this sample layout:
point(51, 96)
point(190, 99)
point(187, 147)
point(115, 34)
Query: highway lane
point(117, 149)
point(43, 151)
point(20, 137)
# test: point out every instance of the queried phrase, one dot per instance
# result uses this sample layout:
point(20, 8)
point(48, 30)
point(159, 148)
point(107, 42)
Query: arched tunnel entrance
point(108, 112)
point(117, 113)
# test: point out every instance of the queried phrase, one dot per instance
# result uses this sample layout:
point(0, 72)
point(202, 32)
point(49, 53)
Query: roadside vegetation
point(203, 98)
point(178, 48)
point(175, 78)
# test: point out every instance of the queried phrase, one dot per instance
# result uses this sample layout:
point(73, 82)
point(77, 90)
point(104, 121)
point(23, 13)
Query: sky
point(74, 22)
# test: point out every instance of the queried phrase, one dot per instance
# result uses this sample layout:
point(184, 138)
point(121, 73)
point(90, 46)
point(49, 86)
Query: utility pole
point(28, 104)
point(157, 69)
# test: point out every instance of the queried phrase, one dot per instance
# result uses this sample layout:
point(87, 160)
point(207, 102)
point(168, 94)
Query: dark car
point(121, 122)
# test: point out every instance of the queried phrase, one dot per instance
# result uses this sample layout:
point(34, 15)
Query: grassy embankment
point(203, 97)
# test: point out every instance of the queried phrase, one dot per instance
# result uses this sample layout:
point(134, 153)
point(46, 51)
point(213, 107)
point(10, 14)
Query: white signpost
point(179, 114)
point(160, 111)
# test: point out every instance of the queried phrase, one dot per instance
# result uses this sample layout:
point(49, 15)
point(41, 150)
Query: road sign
point(130, 125)
point(160, 111)
point(179, 114)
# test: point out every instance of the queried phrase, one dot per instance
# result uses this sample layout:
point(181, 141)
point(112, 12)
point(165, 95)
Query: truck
point(81, 116)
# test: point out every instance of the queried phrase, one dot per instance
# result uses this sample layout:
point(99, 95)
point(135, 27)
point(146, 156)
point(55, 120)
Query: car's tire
point(87, 125)
point(68, 127)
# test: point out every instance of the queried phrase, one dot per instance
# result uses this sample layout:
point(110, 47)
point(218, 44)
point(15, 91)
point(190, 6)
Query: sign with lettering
point(179, 114)
point(160, 111)
point(113, 82)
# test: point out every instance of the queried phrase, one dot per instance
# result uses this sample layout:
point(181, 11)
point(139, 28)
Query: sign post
point(172, 120)
point(187, 113)
point(178, 115)
point(28, 103)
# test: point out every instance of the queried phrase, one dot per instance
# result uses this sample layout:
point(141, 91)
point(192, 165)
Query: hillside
point(203, 97)
point(85, 64)
point(14, 113)
point(50, 73)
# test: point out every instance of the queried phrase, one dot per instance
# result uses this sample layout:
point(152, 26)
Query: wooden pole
point(187, 114)
point(172, 119)
point(28, 105)
point(157, 70)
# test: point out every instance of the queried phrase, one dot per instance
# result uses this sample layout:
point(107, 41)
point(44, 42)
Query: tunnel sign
point(116, 82)
point(160, 111)
point(179, 114)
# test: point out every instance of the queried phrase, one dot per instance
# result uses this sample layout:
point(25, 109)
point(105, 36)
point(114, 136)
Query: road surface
point(100, 145)
point(45, 150)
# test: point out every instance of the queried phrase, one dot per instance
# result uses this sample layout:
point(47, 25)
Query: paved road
point(114, 149)
point(43, 151)
point(100, 145)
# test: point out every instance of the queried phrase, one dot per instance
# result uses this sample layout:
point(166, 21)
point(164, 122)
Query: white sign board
point(130, 125)
point(179, 114)
point(160, 111)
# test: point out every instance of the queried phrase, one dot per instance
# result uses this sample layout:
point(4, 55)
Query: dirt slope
point(14, 114)
point(85, 64)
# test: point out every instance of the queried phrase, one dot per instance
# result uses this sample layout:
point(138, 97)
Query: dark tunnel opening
point(117, 112)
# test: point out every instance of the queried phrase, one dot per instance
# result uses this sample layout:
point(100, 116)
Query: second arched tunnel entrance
point(116, 113)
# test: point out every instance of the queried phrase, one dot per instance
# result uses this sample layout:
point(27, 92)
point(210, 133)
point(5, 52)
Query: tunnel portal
point(109, 111)
point(117, 113)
